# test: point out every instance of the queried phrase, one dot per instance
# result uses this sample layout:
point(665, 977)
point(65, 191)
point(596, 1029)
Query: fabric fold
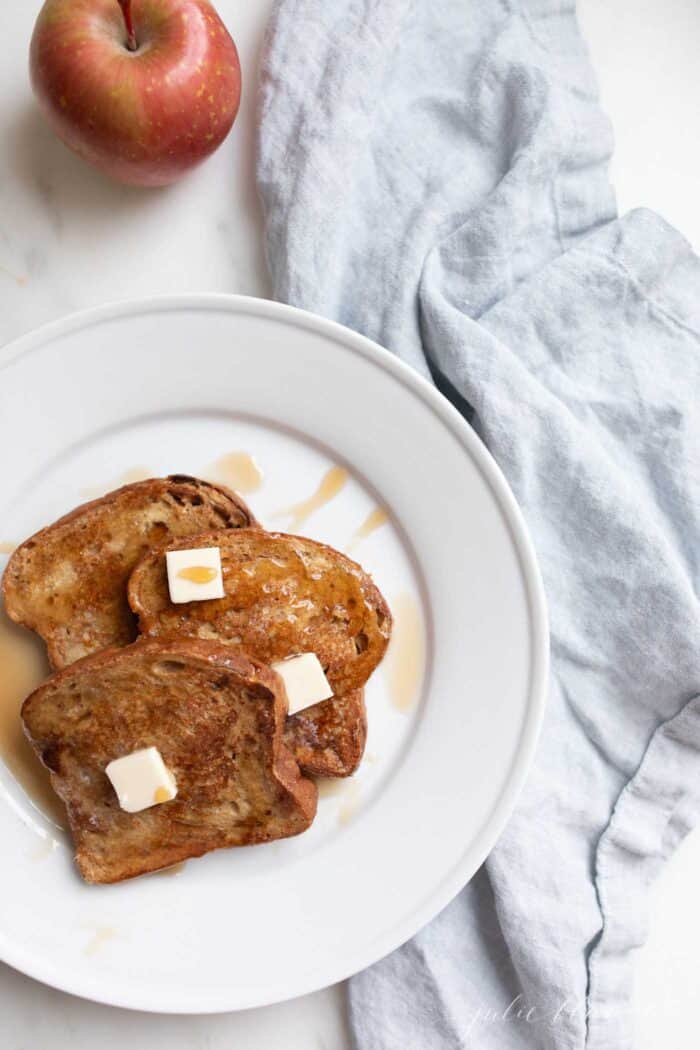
point(655, 811)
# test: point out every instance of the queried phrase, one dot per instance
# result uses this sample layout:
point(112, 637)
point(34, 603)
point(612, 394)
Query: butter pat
point(141, 779)
point(304, 681)
point(194, 575)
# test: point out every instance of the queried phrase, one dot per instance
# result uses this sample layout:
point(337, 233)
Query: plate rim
point(480, 847)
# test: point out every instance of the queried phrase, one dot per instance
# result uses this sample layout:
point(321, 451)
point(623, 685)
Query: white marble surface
point(70, 239)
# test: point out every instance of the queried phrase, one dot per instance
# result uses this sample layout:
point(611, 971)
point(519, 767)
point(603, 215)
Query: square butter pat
point(141, 779)
point(194, 575)
point(304, 681)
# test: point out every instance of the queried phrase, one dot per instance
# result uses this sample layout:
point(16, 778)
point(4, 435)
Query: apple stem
point(128, 22)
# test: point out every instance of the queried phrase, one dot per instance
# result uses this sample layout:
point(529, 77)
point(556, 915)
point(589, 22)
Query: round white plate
point(174, 385)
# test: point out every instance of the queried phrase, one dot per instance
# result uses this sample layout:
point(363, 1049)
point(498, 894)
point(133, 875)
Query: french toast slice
point(328, 739)
point(68, 582)
point(217, 720)
point(284, 595)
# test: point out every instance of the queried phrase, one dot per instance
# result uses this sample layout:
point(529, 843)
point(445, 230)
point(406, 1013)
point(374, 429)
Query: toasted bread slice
point(217, 720)
point(284, 595)
point(68, 582)
point(328, 739)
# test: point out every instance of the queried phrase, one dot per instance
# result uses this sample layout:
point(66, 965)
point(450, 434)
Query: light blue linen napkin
point(434, 176)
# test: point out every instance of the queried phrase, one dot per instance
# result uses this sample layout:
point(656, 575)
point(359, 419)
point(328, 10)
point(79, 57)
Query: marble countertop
point(70, 239)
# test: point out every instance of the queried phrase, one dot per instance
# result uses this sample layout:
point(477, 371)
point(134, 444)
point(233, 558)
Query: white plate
point(172, 385)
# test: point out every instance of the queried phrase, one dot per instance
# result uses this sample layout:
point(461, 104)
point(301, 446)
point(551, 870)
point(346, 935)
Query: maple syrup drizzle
point(238, 470)
point(127, 478)
point(198, 573)
point(372, 522)
point(405, 658)
point(332, 482)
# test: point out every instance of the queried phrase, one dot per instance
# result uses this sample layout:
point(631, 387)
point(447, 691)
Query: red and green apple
point(142, 89)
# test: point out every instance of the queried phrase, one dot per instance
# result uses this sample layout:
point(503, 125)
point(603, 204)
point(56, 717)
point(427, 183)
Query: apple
point(142, 89)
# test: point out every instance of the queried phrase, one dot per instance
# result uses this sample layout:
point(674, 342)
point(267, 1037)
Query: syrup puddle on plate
point(174, 869)
point(238, 470)
point(127, 478)
point(329, 786)
point(405, 659)
point(44, 850)
point(99, 938)
point(346, 790)
point(350, 803)
point(332, 482)
point(23, 666)
point(372, 522)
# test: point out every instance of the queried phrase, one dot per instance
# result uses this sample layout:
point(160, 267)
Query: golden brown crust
point(328, 739)
point(284, 595)
point(68, 581)
point(217, 719)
